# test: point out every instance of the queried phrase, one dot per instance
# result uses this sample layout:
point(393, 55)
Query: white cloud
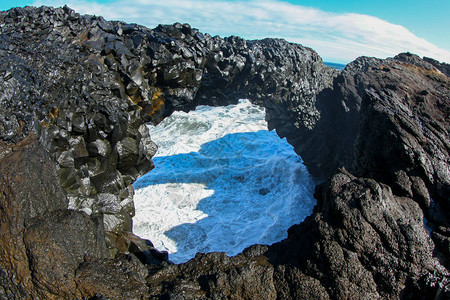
point(336, 37)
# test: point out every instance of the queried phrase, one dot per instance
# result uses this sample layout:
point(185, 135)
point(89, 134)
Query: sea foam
point(221, 182)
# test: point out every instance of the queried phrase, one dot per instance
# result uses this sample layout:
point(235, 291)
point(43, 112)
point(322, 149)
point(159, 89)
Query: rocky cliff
point(76, 93)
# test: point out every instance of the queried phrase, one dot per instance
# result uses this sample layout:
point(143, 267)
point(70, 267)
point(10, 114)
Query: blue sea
point(221, 182)
point(337, 66)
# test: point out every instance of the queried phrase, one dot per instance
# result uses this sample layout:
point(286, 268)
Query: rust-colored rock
point(28, 187)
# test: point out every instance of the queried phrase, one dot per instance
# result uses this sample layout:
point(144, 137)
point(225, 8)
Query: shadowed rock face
point(76, 92)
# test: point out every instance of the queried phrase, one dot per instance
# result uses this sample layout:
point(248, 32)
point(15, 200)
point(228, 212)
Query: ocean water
point(221, 182)
point(336, 66)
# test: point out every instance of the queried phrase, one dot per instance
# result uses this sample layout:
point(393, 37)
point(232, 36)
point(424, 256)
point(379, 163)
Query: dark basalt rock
point(359, 240)
point(76, 93)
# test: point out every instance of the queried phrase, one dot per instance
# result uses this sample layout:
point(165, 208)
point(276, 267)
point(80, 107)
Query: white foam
point(222, 182)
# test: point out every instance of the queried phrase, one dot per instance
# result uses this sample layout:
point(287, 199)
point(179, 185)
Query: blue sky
point(339, 31)
point(428, 19)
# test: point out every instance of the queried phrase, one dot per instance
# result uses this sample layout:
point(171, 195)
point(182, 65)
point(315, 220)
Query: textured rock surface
point(76, 91)
point(42, 243)
point(361, 240)
point(20, 188)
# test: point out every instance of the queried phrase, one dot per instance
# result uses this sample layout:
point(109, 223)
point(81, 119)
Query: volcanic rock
point(76, 94)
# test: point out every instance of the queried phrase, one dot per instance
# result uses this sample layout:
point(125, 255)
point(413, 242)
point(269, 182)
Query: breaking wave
point(221, 182)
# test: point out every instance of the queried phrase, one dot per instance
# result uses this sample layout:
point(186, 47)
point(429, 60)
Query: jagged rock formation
point(109, 77)
point(76, 92)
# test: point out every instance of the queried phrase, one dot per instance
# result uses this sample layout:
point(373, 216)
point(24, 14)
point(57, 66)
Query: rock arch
point(80, 88)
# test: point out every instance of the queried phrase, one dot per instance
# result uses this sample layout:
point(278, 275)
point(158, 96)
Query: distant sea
point(335, 65)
